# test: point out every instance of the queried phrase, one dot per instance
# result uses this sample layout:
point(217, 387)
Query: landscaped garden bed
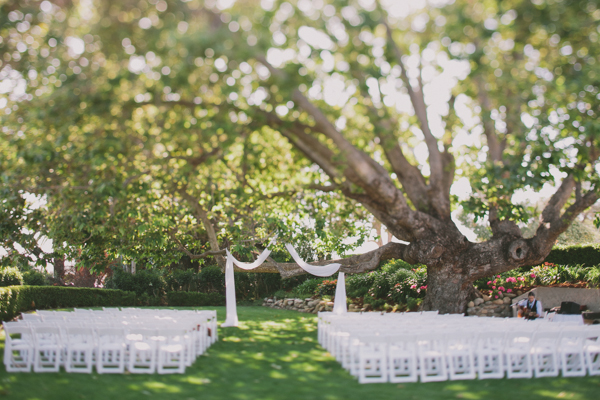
point(398, 287)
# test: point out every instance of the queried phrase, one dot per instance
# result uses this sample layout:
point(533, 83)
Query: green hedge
point(192, 299)
point(16, 299)
point(588, 255)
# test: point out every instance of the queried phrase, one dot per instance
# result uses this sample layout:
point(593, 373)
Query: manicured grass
point(274, 355)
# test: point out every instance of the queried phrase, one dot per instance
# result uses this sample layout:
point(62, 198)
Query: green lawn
point(274, 355)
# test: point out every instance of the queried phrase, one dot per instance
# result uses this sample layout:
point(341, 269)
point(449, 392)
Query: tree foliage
point(130, 165)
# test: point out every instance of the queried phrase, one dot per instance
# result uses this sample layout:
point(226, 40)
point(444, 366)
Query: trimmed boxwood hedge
point(194, 299)
point(588, 255)
point(16, 299)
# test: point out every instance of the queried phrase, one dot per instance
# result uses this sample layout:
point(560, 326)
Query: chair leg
point(593, 362)
point(46, 360)
point(18, 360)
point(573, 364)
point(490, 366)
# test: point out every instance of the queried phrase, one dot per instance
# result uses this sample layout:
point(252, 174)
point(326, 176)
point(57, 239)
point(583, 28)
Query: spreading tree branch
point(439, 200)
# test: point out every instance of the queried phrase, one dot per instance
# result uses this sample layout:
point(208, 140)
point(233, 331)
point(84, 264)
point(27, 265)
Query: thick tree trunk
point(448, 289)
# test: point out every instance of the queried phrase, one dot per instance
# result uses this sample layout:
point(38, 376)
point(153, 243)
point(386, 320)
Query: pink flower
point(511, 279)
point(509, 290)
point(501, 288)
point(423, 287)
point(498, 276)
point(493, 287)
point(496, 297)
point(521, 278)
point(489, 282)
point(413, 286)
point(532, 275)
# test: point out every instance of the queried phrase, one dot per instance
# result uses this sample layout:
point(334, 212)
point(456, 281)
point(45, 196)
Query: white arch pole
point(232, 318)
point(339, 305)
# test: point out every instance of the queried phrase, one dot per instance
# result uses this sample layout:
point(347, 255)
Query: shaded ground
point(274, 355)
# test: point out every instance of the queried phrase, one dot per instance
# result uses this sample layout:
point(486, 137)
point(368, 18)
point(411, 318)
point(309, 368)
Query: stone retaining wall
point(485, 307)
point(306, 305)
point(488, 307)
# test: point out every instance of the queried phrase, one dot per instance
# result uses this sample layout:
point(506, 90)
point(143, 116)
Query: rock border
point(488, 307)
point(302, 305)
point(481, 307)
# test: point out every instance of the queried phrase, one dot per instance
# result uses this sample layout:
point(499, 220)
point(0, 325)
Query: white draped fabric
point(339, 306)
point(232, 318)
point(247, 266)
point(322, 271)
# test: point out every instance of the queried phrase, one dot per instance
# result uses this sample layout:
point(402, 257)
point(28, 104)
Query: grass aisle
point(274, 355)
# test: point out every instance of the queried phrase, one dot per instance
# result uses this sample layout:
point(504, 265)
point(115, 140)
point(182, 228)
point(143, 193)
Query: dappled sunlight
point(274, 355)
point(161, 387)
point(194, 380)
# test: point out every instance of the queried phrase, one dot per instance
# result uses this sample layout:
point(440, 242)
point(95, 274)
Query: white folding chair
point(47, 349)
point(591, 350)
point(490, 355)
point(110, 353)
point(142, 351)
point(518, 355)
point(402, 359)
point(460, 355)
point(171, 351)
point(543, 353)
point(31, 317)
point(83, 311)
point(432, 360)
point(570, 349)
point(79, 349)
point(372, 361)
point(18, 347)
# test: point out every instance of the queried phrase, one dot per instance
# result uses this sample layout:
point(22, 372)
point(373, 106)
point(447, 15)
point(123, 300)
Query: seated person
point(530, 308)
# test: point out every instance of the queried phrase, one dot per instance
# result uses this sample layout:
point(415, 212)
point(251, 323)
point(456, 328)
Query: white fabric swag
point(339, 306)
point(325, 270)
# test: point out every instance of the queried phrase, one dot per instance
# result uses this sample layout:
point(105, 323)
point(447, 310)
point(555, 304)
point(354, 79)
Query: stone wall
point(302, 305)
point(306, 305)
point(482, 307)
point(488, 307)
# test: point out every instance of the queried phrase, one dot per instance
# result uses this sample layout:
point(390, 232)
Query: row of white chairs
point(111, 340)
point(429, 347)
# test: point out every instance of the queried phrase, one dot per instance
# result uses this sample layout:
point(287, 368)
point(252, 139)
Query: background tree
point(387, 103)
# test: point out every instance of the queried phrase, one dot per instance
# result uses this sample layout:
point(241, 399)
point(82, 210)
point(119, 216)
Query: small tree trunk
point(448, 289)
point(59, 269)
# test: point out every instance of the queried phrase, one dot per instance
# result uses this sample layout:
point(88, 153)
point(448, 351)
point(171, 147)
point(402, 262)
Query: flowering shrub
point(544, 274)
point(395, 283)
point(412, 286)
point(326, 288)
point(500, 284)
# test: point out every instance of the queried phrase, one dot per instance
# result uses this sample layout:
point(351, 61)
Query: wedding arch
point(339, 306)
